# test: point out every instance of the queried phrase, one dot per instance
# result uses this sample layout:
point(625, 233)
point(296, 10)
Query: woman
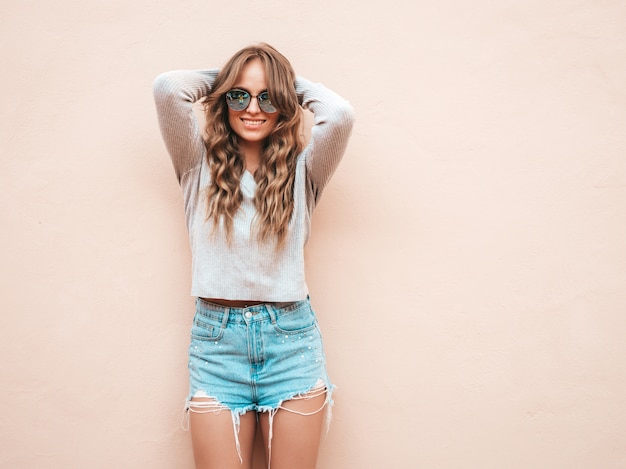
point(250, 186)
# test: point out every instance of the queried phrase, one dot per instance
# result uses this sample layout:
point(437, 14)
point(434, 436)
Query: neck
point(252, 154)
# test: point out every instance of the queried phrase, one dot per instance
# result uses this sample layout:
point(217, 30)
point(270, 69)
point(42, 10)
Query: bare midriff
point(234, 303)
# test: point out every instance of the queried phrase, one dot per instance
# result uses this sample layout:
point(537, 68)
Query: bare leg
point(295, 431)
point(213, 437)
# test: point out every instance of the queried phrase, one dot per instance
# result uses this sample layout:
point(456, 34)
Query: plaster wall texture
point(468, 262)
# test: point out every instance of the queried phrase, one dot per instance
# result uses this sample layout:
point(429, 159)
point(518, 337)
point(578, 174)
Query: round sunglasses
point(238, 100)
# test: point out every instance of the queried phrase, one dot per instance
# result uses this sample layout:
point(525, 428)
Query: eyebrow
point(248, 91)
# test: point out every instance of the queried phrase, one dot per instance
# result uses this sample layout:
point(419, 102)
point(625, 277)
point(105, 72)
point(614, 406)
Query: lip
point(252, 123)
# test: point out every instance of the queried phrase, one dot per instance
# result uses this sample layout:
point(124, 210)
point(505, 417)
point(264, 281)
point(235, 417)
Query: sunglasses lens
point(237, 100)
point(265, 103)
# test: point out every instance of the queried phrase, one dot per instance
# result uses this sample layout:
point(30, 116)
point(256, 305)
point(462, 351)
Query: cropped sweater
point(246, 269)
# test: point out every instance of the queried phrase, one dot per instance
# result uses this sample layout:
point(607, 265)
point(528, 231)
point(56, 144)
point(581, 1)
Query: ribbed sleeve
point(175, 94)
point(332, 126)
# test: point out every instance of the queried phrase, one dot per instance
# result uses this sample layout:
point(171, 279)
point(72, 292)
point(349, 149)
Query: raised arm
point(332, 125)
point(175, 94)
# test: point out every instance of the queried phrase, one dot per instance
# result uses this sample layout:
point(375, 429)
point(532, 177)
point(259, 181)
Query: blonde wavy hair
point(275, 176)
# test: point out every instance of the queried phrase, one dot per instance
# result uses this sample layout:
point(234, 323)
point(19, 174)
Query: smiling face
point(252, 125)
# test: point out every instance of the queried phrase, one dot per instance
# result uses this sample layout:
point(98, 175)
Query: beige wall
point(468, 262)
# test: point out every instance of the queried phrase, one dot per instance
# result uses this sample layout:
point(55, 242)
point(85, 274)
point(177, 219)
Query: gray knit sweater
point(246, 269)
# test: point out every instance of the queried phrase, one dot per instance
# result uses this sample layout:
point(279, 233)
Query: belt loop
point(225, 317)
point(272, 312)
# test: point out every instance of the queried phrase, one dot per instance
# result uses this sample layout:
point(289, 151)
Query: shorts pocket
point(297, 321)
point(206, 328)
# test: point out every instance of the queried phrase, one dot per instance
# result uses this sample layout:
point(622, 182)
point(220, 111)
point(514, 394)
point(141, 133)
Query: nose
point(253, 107)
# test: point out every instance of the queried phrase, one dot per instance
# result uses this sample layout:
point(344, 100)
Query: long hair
point(275, 176)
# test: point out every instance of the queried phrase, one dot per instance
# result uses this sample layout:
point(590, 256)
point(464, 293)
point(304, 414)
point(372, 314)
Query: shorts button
point(248, 314)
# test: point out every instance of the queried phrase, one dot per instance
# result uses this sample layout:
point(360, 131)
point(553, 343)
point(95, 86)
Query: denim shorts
point(255, 358)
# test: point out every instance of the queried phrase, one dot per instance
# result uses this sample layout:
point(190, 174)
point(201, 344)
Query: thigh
point(292, 436)
point(214, 436)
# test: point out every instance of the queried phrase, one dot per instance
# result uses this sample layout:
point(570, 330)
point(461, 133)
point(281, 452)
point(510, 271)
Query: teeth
point(249, 122)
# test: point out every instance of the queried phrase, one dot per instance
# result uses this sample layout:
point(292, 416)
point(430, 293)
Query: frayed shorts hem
point(209, 404)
